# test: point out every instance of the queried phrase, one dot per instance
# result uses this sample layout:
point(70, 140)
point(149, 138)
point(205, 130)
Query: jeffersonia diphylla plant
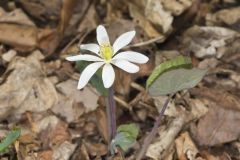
point(106, 56)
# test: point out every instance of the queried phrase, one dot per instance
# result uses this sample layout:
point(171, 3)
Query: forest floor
point(58, 122)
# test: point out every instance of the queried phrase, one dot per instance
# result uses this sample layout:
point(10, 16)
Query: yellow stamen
point(106, 51)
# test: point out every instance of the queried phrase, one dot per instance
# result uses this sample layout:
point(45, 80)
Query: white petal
point(108, 75)
point(102, 36)
point(131, 56)
point(84, 57)
point(126, 66)
point(87, 73)
point(123, 40)
point(90, 47)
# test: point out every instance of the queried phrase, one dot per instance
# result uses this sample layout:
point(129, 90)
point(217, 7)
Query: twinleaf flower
point(106, 55)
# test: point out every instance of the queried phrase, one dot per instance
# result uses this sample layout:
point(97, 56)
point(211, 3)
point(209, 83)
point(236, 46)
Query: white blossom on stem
point(106, 56)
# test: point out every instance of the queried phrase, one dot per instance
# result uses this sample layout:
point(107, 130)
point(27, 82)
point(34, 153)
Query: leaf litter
point(57, 121)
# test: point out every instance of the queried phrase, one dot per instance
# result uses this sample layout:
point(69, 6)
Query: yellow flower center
point(106, 51)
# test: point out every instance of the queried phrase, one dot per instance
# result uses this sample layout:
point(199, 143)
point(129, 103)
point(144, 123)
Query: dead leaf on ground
point(229, 17)
point(218, 126)
point(186, 149)
point(26, 88)
point(208, 41)
point(64, 151)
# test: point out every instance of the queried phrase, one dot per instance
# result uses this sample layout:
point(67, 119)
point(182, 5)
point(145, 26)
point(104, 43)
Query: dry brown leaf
point(88, 96)
point(90, 20)
point(220, 96)
point(102, 123)
point(208, 41)
point(43, 9)
point(23, 38)
point(218, 126)
point(96, 149)
point(155, 12)
point(186, 149)
point(64, 151)
point(17, 16)
point(141, 21)
point(229, 17)
point(176, 7)
point(26, 88)
point(45, 155)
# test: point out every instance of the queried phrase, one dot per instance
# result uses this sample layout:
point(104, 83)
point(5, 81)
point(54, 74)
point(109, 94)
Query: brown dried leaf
point(42, 9)
point(155, 12)
point(208, 41)
point(143, 22)
point(229, 17)
point(186, 149)
point(26, 88)
point(17, 16)
point(218, 126)
point(220, 96)
point(102, 123)
point(64, 151)
point(23, 38)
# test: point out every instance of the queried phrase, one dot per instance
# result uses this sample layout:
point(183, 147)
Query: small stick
point(154, 130)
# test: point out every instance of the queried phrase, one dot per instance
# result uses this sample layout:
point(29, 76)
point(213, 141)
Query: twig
point(154, 130)
point(161, 38)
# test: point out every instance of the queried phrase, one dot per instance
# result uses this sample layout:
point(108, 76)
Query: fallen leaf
point(26, 88)
point(23, 38)
point(87, 96)
point(186, 149)
point(155, 12)
point(176, 7)
point(17, 16)
point(218, 126)
point(229, 17)
point(208, 41)
point(64, 151)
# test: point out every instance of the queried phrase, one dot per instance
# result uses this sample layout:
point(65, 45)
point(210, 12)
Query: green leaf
point(9, 139)
point(175, 80)
point(177, 62)
point(132, 129)
point(96, 80)
point(126, 136)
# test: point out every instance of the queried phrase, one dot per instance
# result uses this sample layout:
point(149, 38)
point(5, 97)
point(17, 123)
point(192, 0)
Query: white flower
point(106, 56)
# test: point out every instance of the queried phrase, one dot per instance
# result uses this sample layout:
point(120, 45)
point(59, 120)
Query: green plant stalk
point(111, 115)
point(154, 130)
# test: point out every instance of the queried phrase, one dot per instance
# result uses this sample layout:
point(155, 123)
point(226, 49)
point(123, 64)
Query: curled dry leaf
point(26, 88)
point(186, 149)
point(208, 41)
